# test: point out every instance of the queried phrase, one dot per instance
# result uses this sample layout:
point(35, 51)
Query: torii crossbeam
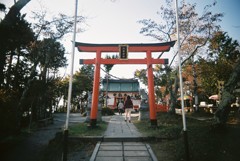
point(148, 48)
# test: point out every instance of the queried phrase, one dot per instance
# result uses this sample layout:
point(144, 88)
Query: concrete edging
point(154, 158)
point(95, 151)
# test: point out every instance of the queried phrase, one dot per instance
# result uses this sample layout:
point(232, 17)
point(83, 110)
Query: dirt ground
point(31, 146)
point(43, 144)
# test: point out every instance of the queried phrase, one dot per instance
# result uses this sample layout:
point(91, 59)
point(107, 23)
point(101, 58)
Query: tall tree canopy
point(223, 54)
point(195, 31)
point(30, 56)
point(82, 83)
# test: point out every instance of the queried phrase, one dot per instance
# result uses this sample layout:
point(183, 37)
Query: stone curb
point(154, 158)
point(118, 139)
point(95, 151)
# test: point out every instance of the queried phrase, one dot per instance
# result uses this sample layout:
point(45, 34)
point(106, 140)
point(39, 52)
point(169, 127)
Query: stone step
point(123, 151)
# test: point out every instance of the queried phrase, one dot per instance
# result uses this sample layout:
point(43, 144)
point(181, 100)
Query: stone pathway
point(119, 144)
point(117, 127)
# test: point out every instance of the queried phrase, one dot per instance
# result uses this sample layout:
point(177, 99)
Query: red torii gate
point(148, 48)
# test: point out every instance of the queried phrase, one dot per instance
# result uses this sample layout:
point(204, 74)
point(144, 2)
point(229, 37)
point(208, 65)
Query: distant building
point(118, 91)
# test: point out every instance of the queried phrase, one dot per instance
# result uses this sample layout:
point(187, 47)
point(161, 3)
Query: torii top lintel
point(152, 47)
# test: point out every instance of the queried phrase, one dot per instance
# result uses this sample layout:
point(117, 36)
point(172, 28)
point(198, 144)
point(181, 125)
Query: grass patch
point(169, 126)
point(205, 142)
point(82, 129)
point(76, 149)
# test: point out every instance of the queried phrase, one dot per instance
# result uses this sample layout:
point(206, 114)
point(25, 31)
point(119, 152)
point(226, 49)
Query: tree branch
point(15, 10)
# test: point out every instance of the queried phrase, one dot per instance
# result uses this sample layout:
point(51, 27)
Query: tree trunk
point(173, 95)
point(2, 64)
point(16, 73)
point(25, 92)
point(195, 92)
point(15, 10)
point(9, 71)
point(223, 110)
point(107, 91)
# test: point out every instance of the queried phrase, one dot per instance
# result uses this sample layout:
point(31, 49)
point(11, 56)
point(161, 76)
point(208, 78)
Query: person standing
point(120, 107)
point(128, 106)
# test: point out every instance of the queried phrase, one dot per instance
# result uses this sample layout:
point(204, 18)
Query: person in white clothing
point(120, 107)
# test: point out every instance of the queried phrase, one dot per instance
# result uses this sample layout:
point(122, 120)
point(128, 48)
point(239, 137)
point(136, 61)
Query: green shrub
point(107, 111)
point(8, 113)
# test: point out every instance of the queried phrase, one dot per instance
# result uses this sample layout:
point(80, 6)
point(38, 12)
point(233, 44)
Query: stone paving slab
point(136, 153)
point(133, 143)
point(109, 159)
point(134, 147)
point(117, 153)
point(111, 143)
point(137, 159)
point(110, 147)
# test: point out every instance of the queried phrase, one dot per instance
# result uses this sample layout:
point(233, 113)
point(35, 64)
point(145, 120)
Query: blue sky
point(231, 19)
point(115, 21)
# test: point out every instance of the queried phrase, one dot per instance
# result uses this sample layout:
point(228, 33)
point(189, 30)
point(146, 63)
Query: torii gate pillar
point(148, 48)
point(95, 94)
point(151, 96)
